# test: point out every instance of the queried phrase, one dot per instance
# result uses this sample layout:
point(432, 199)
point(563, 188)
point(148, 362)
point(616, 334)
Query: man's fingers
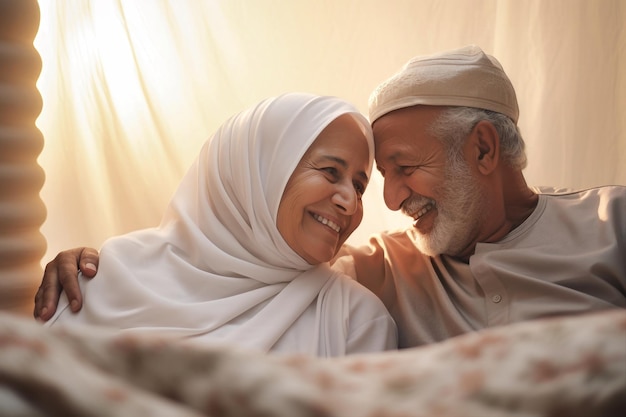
point(89, 262)
point(61, 274)
point(67, 263)
point(47, 296)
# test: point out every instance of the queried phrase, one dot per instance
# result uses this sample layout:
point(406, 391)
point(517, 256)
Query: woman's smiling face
point(321, 205)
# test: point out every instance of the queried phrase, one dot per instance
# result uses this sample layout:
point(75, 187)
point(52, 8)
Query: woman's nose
point(346, 197)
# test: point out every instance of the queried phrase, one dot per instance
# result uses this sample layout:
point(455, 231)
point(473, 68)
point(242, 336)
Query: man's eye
point(408, 169)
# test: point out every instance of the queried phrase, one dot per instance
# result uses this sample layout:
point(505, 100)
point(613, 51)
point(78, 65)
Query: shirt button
point(496, 298)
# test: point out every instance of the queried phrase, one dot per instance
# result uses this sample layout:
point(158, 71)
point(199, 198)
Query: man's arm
point(61, 274)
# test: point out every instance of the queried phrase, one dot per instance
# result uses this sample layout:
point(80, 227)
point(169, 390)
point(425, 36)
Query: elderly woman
point(242, 253)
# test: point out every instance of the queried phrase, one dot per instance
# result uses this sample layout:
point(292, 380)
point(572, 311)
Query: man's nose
point(395, 192)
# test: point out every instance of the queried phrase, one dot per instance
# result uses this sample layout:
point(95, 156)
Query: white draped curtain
point(132, 88)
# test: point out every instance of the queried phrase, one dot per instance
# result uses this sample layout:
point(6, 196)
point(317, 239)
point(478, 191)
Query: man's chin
point(426, 246)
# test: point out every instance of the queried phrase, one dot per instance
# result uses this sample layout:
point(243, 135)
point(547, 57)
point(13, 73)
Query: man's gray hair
point(455, 123)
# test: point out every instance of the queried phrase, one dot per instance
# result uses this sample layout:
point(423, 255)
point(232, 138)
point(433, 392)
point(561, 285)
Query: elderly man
point(484, 249)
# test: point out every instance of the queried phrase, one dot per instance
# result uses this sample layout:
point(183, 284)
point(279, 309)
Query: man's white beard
point(459, 213)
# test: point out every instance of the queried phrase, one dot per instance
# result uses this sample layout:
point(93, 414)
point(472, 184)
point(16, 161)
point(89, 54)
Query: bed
point(570, 366)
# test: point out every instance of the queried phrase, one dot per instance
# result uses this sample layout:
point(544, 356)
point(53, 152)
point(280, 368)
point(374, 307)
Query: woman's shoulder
point(344, 290)
point(368, 324)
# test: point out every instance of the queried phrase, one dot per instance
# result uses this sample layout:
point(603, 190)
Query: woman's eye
point(359, 187)
point(332, 171)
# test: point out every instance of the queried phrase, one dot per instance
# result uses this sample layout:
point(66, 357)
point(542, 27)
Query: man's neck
point(519, 199)
point(517, 203)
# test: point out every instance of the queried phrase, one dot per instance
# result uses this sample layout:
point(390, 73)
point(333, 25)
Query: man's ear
point(485, 148)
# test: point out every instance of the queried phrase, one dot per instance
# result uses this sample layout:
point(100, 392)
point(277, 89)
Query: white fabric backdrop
point(132, 88)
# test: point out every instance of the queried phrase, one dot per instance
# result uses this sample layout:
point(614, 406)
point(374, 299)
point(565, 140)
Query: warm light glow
point(132, 88)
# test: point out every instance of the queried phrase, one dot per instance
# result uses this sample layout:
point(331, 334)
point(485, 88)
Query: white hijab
point(217, 266)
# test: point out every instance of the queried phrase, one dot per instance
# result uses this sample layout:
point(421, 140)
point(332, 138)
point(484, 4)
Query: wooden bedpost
point(22, 211)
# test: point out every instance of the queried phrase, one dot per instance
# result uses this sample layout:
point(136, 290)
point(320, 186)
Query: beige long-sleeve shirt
point(568, 257)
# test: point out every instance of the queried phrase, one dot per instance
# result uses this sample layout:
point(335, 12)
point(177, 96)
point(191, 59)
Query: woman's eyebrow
point(344, 164)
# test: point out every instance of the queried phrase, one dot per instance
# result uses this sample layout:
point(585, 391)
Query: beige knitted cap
point(462, 77)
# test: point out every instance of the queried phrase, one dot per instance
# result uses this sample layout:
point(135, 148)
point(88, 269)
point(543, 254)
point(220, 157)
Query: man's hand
point(61, 274)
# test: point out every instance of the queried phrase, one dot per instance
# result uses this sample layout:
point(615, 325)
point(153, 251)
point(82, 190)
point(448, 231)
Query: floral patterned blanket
point(574, 366)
